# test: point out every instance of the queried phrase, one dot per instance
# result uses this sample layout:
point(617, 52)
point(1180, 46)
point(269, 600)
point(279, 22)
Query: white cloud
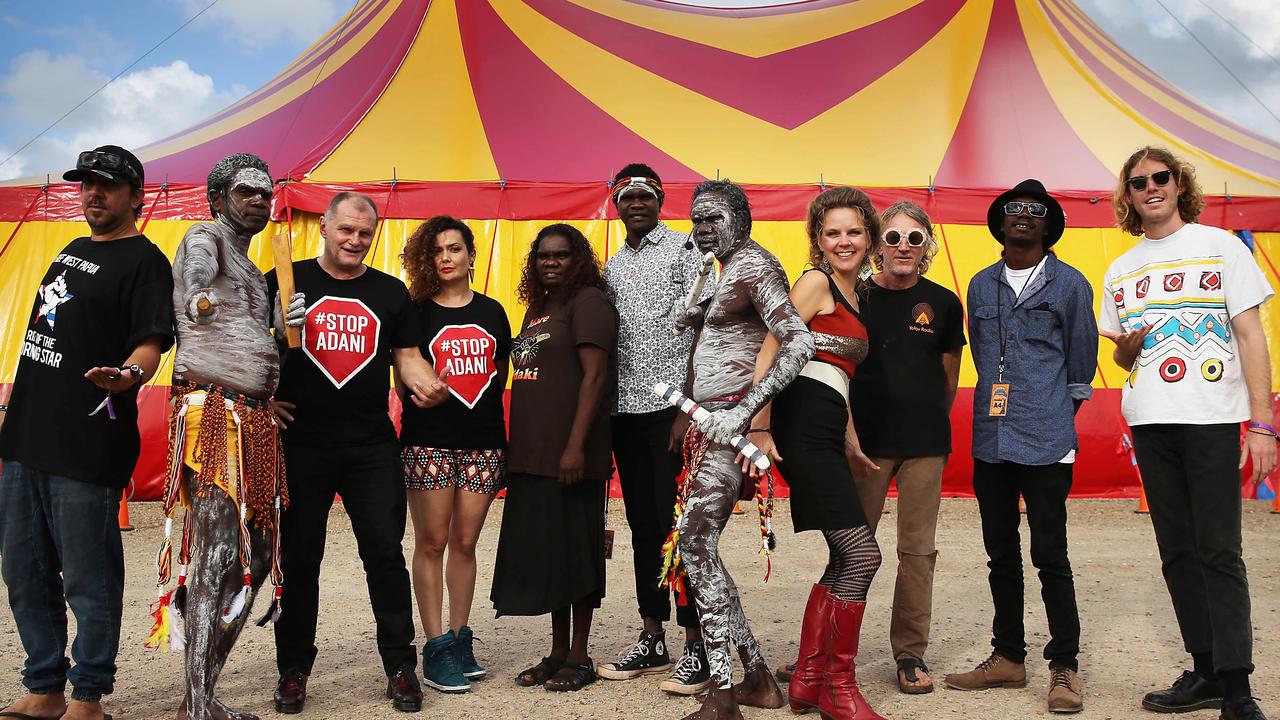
point(133, 110)
point(253, 23)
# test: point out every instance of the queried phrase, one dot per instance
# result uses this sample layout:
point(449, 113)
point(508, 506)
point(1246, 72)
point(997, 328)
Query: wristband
point(1253, 425)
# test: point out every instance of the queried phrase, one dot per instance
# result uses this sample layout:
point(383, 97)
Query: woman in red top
point(809, 430)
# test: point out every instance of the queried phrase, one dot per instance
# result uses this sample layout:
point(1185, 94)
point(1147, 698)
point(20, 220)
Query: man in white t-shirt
point(1182, 309)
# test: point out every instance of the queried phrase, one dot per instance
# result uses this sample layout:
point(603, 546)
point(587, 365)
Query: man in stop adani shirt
point(339, 439)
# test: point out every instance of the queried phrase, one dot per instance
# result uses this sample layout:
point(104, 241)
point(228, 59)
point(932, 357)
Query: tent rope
point(1214, 55)
point(44, 189)
point(493, 237)
point(164, 192)
point(104, 85)
point(955, 281)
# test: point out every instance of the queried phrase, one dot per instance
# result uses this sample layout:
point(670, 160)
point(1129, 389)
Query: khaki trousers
point(919, 494)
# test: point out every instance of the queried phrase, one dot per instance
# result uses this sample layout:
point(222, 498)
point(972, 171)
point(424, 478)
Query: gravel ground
point(1130, 643)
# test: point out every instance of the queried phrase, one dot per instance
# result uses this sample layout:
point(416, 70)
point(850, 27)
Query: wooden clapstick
point(282, 250)
point(203, 306)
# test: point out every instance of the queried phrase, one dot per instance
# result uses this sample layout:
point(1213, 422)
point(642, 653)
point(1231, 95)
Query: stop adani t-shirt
point(339, 379)
point(96, 303)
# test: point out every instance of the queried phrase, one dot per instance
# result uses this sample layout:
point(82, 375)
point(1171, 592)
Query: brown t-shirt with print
point(545, 378)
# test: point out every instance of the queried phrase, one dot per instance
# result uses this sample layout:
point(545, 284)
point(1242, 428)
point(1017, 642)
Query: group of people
point(844, 380)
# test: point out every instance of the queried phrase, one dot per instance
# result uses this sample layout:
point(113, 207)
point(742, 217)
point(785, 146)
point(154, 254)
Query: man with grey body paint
point(750, 301)
point(225, 350)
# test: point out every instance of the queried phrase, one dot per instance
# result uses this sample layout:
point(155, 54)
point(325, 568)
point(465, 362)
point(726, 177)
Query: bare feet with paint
point(219, 711)
point(717, 705)
point(759, 689)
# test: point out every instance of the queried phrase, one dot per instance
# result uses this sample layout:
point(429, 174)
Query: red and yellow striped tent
point(514, 113)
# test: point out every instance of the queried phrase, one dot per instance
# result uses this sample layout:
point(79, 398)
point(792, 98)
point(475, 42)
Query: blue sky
point(56, 52)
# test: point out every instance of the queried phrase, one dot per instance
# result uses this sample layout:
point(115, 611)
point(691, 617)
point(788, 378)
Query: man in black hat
point(1035, 346)
point(100, 320)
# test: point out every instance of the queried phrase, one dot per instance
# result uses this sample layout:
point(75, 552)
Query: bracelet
point(1253, 425)
point(756, 430)
point(1260, 431)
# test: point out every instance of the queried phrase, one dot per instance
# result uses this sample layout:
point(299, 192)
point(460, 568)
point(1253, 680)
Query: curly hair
point(1190, 196)
point(843, 197)
point(584, 270)
point(733, 194)
point(419, 254)
point(222, 173)
point(916, 213)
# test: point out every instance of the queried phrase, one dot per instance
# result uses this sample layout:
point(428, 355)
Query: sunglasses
point(1139, 182)
point(1034, 208)
point(914, 238)
point(95, 160)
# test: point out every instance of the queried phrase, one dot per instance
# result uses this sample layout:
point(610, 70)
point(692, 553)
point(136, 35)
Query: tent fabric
point(515, 113)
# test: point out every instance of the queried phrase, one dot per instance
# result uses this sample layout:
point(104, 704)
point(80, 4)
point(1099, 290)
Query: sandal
point(539, 674)
point(907, 674)
point(572, 677)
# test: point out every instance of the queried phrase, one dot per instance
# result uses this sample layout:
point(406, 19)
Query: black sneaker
point(691, 675)
point(1242, 709)
point(648, 655)
point(1189, 692)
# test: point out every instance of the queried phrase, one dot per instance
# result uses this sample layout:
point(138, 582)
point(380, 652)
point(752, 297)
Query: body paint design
point(751, 300)
point(224, 341)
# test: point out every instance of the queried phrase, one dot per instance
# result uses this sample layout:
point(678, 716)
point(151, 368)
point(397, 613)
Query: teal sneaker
point(471, 670)
point(440, 665)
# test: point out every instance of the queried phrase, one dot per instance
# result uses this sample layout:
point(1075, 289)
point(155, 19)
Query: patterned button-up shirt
point(647, 281)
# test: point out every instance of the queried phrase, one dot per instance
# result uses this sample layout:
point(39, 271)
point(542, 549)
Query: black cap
point(1054, 222)
point(87, 163)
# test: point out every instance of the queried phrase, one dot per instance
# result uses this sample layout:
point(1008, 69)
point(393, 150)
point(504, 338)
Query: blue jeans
point(60, 546)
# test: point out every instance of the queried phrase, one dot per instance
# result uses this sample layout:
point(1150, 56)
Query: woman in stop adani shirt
point(454, 454)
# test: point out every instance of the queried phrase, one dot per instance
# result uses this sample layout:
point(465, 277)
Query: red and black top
point(840, 336)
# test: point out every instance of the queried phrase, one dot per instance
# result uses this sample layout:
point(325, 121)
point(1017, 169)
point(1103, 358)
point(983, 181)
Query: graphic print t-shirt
point(340, 378)
point(95, 304)
point(899, 392)
point(1187, 287)
point(472, 342)
point(545, 377)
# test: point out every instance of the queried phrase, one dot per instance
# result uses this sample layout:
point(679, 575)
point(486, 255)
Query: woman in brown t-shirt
point(551, 547)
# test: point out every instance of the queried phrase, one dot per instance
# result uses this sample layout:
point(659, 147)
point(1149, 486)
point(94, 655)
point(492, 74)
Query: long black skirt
point(809, 419)
point(550, 547)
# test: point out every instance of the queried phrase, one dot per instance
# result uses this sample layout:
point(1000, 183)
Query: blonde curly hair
point(843, 197)
point(1190, 196)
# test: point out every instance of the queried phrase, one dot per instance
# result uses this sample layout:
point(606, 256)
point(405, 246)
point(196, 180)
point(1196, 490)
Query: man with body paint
point(750, 301)
point(225, 462)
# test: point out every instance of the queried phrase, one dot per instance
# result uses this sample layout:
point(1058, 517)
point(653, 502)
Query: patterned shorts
point(479, 471)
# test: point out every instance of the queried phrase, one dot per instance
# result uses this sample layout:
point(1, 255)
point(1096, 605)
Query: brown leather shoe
point(1065, 691)
point(291, 693)
point(996, 671)
point(404, 692)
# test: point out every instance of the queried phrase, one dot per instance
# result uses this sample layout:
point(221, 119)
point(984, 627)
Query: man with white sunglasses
point(1035, 347)
point(901, 401)
point(1182, 307)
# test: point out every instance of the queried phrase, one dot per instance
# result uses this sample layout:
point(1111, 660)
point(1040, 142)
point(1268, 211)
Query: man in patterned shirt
point(648, 275)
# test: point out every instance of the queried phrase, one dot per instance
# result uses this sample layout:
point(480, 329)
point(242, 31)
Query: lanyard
point(1000, 311)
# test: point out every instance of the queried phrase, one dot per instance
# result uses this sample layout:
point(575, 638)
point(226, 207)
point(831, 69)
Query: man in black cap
point(99, 323)
point(1035, 346)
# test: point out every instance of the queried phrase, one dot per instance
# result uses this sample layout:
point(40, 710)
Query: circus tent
point(513, 113)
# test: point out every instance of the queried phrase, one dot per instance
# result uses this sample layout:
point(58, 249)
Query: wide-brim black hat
point(1055, 219)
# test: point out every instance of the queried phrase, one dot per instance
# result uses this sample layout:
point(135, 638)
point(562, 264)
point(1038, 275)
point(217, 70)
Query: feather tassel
point(158, 638)
point(238, 603)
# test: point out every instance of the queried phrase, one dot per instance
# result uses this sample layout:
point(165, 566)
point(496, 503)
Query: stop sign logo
point(340, 337)
point(466, 353)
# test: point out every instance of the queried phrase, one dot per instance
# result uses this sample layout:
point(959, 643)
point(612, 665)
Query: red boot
point(806, 682)
point(841, 698)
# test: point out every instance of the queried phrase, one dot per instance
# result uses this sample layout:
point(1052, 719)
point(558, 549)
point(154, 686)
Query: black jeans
point(647, 472)
point(1044, 488)
point(1192, 482)
point(369, 479)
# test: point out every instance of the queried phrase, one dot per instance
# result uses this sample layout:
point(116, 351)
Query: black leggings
point(854, 560)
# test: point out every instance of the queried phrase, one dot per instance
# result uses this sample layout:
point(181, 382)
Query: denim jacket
point(1051, 355)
